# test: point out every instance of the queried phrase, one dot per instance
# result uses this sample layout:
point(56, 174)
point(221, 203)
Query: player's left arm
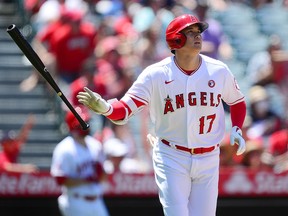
point(238, 113)
point(233, 96)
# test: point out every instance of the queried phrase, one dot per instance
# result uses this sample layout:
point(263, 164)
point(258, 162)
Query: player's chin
point(197, 48)
point(197, 45)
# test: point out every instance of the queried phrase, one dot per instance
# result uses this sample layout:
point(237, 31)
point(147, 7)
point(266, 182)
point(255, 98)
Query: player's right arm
point(117, 111)
point(132, 102)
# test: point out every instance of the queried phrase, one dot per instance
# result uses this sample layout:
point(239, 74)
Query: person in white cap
point(118, 159)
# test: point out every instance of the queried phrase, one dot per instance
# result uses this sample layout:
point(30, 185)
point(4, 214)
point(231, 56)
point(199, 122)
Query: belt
point(200, 150)
point(86, 197)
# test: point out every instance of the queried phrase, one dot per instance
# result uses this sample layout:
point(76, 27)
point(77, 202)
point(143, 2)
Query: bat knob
point(11, 27)
point(85, 126)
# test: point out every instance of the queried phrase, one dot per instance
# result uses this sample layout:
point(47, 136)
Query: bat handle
point(84, 125)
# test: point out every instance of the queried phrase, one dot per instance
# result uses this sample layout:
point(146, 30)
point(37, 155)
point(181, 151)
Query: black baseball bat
point(35, 60)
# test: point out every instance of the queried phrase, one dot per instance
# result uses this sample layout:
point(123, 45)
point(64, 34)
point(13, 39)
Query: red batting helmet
point(174, 38)
point(72, 122)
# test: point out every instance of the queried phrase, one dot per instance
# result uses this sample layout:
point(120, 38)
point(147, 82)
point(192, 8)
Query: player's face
point(194, 38)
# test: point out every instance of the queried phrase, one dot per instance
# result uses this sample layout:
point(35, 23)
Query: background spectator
point(253, 157)
point(41, 43)
point(264, 121)
point(278, 150)
point(88, 77)
point(118, 159)
point(227, 153)
point(260, 67)
point(111, 66)
point(12, 142)
point(72, 46)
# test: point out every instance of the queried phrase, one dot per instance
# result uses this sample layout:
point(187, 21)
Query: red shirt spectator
point(72, 45)
point(278, 142)
point(88, 78)
point(32, 7)
point(44, 36)
point(11, 145)
point(111, 67)
point(10, 149)
point(278, 149)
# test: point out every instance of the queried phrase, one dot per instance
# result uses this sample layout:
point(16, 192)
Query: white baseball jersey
point(186, 109)
point(71, 159)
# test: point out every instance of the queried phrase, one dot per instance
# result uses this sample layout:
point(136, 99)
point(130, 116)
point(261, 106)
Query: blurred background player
point(12, 143)
point(77, 166)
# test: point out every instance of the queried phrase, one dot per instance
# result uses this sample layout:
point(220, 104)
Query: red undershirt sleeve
point(119, 111)
point(238, 113)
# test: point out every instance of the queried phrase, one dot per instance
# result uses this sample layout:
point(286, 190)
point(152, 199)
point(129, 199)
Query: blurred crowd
point(105, 44)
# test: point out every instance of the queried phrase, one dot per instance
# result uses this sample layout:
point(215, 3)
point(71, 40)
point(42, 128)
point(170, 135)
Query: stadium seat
point(243, 30)
point(246, 48)
point(237, 68)
point(236, 14)
point(271, 17)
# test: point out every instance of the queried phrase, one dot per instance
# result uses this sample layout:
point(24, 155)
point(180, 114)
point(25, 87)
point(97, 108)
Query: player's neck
point(80, 140)
point(188, 63)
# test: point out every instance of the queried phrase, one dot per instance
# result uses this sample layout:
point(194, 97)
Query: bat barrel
point(26, 48)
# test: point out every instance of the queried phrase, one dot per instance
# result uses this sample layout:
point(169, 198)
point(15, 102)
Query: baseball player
point(77, 166)
point(184, 93)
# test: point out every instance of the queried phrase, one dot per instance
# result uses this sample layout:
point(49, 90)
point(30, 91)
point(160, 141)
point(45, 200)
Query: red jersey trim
point(185, 71)
point(136, 98)
point(237, 101)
